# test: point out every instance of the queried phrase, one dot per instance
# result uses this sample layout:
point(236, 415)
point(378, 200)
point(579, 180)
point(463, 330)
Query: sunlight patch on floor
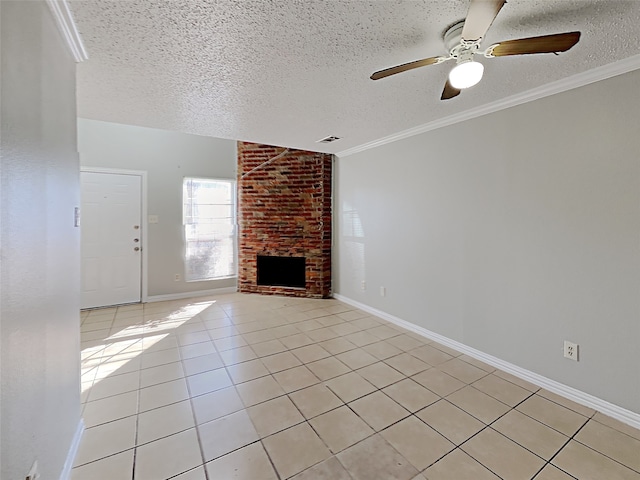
point(100, 361)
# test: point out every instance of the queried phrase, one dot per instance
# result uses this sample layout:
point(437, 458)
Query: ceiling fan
point(463, 42)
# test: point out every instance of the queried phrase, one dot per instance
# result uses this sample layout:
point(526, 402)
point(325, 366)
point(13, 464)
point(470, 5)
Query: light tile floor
point(257, 387)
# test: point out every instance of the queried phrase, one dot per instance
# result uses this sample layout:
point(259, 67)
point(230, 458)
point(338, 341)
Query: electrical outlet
point(571, 350)
point(177, 277)
point(363, 285)
point(383, 291)
point(33, 473)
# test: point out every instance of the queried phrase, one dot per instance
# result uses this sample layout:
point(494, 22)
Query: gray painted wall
point(167, 157)
point(510, 233)
point(40, 274)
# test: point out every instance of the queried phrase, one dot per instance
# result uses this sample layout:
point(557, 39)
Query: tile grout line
point(138, 401)
point(193, 410)
point(269, 458)
point(323, 382)
point(135, 441)
point(305, 420)
point(561, 449)
point(546, 462)
point(589, 419)
point(486, 426)
point(347, 404)
point(304, 364)
point(291, 426)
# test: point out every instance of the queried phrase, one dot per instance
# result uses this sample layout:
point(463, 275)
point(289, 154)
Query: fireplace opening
point(281, 271)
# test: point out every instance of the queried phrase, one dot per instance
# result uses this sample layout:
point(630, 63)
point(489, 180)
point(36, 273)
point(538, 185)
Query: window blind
point(209, 228)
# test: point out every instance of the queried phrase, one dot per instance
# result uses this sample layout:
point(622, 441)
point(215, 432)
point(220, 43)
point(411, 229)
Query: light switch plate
point(153, 219)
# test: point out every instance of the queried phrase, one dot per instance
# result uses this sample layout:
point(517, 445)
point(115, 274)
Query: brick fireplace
point(284, 217)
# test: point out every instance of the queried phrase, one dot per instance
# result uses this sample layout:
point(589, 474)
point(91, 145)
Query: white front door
point(111, 238)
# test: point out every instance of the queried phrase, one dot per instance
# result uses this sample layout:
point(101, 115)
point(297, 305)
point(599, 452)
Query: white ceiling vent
point(328, 139)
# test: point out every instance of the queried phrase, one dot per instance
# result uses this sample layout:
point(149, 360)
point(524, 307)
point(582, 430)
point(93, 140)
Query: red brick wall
point(284, 209)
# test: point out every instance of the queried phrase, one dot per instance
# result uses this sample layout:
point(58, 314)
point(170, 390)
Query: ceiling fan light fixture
point(466, 74)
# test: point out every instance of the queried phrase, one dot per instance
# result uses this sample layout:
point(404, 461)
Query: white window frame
point(233, 222)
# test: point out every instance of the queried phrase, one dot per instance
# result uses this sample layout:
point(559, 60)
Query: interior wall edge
point(73, 451)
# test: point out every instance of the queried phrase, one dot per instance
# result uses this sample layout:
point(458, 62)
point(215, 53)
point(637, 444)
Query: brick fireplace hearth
point(284, 217)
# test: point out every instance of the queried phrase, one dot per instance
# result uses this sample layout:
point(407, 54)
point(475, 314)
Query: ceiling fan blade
point(560, 42)
point(406, 66)
point(449, 91)
point(479, 18)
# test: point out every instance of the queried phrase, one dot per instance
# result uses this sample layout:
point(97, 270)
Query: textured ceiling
point(290, 72)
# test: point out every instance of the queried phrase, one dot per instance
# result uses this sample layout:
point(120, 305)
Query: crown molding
point(67, 26)
point(569, 83)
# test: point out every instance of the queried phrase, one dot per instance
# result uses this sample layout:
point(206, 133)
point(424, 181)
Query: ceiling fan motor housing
point(466, 55)
point(459, 49)
point(453, 35)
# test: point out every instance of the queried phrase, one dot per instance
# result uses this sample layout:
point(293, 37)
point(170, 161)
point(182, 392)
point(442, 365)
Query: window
point(209, 228)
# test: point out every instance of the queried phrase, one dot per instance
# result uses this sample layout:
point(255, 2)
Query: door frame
point(143, 218)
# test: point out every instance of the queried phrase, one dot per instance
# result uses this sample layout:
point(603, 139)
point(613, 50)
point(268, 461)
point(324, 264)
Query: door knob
point(136, 249)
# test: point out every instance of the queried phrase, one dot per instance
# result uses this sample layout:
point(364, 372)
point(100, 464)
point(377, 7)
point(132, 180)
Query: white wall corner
point(68, 30)
point(574, 81)
point(73, 450)
point(609, 409)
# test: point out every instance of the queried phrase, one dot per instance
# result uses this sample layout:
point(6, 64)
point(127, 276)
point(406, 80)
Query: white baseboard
point(73, 450)
point(199, 293)
point(588, 400)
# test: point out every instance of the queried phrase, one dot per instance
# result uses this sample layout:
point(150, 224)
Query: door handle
point(136, 249)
